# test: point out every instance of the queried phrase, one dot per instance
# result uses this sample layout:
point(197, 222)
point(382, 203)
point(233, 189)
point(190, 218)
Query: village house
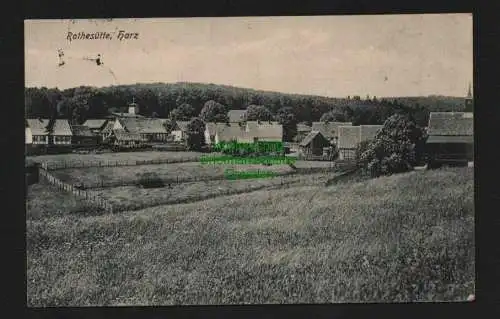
point(60, 133)
point(314, 144)
point(124, 139)
point(38, 130)
point(302, 131)
point(107, 130)
point(179, 132)
point(265, 131)
point(82, 135)
point(450, 138)
point(150, 129)
point(329, 129)
point(211, 129)
point(349, 138)
point(96, 125)
point(236, 116)
point(249, 132)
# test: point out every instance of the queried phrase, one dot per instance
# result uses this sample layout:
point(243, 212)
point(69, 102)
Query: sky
point(337, 56)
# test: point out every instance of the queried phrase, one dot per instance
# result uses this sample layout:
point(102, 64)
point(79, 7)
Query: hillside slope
point(401, 238)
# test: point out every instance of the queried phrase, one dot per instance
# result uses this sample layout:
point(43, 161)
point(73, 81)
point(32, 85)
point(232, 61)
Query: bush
point(150, 180)
point(395, 148)
point(360, 149)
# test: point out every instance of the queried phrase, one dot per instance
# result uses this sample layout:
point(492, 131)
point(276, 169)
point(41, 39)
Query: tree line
point(210, 102)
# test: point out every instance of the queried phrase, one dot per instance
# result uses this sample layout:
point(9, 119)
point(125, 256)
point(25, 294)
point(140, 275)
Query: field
point(126, 156)
point(93, 177)
point(408, 237)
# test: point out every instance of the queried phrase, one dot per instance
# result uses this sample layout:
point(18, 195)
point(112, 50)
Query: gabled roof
point(108, 127)
point(95, 124)
point(38, 126)
point(254, 125)
point(126, 115)
point(368, 132)
point(329, 129)
point(303, 128)
point(81, 130)
point(122, 135)
point(233, 131)
point(143, 125)
point(437, 139)
point(62, 128)
point(267, 131)
point(181, 126)
point(236, 116)
point(310, 137)
point(349, 136)
point(213, 127)
point(451, 124)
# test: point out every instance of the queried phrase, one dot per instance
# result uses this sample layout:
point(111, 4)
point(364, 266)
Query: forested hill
point(159, 99)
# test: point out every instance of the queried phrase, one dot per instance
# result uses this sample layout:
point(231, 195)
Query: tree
point(183, 113)
point(195, 134)
point(213, 111)
point(147, 100)
point(335, 115)
point(258, 113)
point(393, 149)
point(286, 117)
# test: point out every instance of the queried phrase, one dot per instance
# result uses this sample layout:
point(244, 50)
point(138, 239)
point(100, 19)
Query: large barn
point(451, 138)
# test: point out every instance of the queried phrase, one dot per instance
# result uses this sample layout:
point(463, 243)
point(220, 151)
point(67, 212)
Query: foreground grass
point(399, 238)
point(44, 200)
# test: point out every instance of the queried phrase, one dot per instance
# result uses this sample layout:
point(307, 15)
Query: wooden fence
point(197, 197)
point(309, 157)
point(75, 191)
point(194, 179)
point(97, 163)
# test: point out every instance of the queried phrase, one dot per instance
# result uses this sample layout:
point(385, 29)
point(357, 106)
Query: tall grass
point(392, 239)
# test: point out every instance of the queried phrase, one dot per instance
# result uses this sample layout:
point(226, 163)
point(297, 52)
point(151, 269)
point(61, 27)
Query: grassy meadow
point(134, 197)
point(112, 156)
point(407, 237)
point(93, 176)
point(46, 201)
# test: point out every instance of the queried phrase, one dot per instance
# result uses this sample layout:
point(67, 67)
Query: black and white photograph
point(249, 160)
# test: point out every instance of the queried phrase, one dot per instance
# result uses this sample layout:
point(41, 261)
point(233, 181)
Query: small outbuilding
point(82, 135)
point(314, 144)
